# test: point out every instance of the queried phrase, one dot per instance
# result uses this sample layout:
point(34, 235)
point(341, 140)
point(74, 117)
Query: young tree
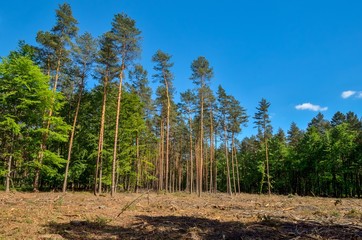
point(262, 122)
point(165, 76)
point(237, 118)
point(279, 168)
point(201, 75)
point(25, 96)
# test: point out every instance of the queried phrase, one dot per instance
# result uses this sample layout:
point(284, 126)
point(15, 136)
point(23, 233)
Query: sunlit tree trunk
point(72, 136)
point(229, 190)
point(114, 161)
point(98, 170)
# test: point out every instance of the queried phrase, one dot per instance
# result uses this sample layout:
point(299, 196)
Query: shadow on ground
point(177, 227)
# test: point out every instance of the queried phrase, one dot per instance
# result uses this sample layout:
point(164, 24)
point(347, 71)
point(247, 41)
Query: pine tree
point(223, 111)
point(237, 118)
point(187, 106)
point(107, 64)
point(262, 122)
point(210, 109)
point(126, 37)
point(165, 76)
point(84, 55)
point(201, 75)
point(55, 55)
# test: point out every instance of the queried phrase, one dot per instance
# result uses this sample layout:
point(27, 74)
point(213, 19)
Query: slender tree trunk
point(206, 170)
point(233, 161)
point(160, 185)
point(8, 175)
point(237, 169)
point(191, 158)
point(201, 141)
point(114, 162)
point(215, 164)
point(101, 137)
point(72, 136)
point(100, 175)
point(187, 189)
point(179, 173)
point(138, 163)
point(201, 145)
point(229, 190)
point(267, 166)
point(197, 164)
point(167, 134)
point(211, 150)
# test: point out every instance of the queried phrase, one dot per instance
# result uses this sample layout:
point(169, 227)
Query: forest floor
point(81, 215)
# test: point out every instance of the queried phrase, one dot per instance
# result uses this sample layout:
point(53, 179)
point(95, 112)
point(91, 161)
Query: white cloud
point(347, 94)
point(312, 107)
point(359, 95)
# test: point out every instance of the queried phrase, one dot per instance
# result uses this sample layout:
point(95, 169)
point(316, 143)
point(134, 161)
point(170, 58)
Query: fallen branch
point(128, 205)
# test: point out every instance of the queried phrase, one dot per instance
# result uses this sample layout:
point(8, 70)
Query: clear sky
point(302, 56)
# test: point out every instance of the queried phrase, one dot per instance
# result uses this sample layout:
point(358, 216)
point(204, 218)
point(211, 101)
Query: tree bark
point(233, 162)
point(8, 175)
point(72, 136)
point(267, 166)
point(211, 150)
point(237, 169)
point(201, 140)
point(138, 163)
point(167, 133)
point(229, 190)
point(101, 137)
point(114, 162)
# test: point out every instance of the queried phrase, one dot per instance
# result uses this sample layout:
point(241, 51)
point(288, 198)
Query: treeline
point(57, 134)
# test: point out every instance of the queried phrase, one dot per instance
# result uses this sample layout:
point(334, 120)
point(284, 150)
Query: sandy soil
point(177, 216)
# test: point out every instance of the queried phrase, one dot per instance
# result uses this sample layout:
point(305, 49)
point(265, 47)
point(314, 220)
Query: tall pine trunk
point(237, 169)
point(160, 178)
point(229, 190)
point(267, 166)
point(167, 135)
point(138, 163)
point(211, 151)
point(215, 165)
point(101, 138)
point(8, 174)
point(201, 142)
point(233, 162)
point(114, 162)
point(191, 158)
point(72, 136)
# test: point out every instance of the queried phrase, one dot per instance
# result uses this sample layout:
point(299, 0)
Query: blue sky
point(302, 56)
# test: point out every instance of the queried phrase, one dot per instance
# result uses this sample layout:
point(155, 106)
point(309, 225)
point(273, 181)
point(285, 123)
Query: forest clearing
point(82, 215)
point(124, 129)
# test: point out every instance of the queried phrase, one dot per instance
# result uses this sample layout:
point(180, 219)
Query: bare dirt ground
point(177, 216)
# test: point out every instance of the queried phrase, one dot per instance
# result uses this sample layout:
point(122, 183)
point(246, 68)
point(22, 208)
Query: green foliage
point(201, 71)
point(126, 37)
